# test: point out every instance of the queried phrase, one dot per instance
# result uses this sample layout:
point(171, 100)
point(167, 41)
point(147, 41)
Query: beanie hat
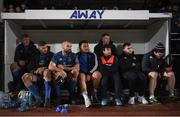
point(159, 48)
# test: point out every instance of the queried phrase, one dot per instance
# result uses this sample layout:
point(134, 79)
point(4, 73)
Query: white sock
point(171, 94)
point(85, 94)
point(95, 90)
point(152, 96)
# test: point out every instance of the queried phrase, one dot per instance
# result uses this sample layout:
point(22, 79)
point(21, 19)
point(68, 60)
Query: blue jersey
point(42, 60)
point(67, 60)
point(84, 62)
point(88, 62)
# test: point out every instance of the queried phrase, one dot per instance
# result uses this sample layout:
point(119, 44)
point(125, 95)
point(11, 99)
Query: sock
point(47, 90)
point(71, 88)
point(85, 94)
point(58, 90)
point(32, 89)
point(140, 96)
point(132, 97)
point(152, 96)
point(171, 95)
point(95, 90)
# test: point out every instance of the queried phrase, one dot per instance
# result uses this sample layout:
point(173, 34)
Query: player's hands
point(60, 66)
point(63, 74)
point(40, 70)
point(76, 68)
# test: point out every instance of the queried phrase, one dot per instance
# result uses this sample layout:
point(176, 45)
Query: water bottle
point(59, 108)
point(66, 106)
point(64, 110)
point(23, 107)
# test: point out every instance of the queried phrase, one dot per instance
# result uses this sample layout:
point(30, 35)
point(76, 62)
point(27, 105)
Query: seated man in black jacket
point(131, 70)
point(109, 66)
point(38, 74)
point(155, 66)
point(105, 40)
point(22, 57)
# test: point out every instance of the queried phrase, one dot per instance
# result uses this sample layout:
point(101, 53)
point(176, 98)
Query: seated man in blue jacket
point(88, 71)
point(155, 66)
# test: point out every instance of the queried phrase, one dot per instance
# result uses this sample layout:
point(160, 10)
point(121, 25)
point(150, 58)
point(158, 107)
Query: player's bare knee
point(96, 75)
point(153, 75)
point(75, 73)
point(170, 75)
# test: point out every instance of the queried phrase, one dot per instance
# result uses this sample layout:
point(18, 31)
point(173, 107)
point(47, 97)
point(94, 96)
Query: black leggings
point(136, 82)
point(117, 85)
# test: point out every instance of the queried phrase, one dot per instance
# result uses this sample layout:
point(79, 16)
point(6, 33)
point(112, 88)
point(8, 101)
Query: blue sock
point(58, 90)
point(47, 90)
point(71, 87)
point(32, 89)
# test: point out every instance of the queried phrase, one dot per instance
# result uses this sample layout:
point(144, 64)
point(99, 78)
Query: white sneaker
point(87, 102)
point(142, 100)
point(131, 100)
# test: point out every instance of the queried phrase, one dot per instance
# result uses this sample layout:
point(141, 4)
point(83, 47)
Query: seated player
point(65, 69)
point(88, 71)
point(39, 74)
point(155, 66)
point(23, 53)
point(130, 69)
point(109, 68)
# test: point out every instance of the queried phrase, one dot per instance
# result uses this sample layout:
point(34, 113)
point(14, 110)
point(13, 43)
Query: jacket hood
point(30, 44)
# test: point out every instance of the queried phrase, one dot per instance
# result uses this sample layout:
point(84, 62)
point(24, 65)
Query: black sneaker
point(47, 102)
point(37, 103)
point(94, 98)
point(173, 98)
